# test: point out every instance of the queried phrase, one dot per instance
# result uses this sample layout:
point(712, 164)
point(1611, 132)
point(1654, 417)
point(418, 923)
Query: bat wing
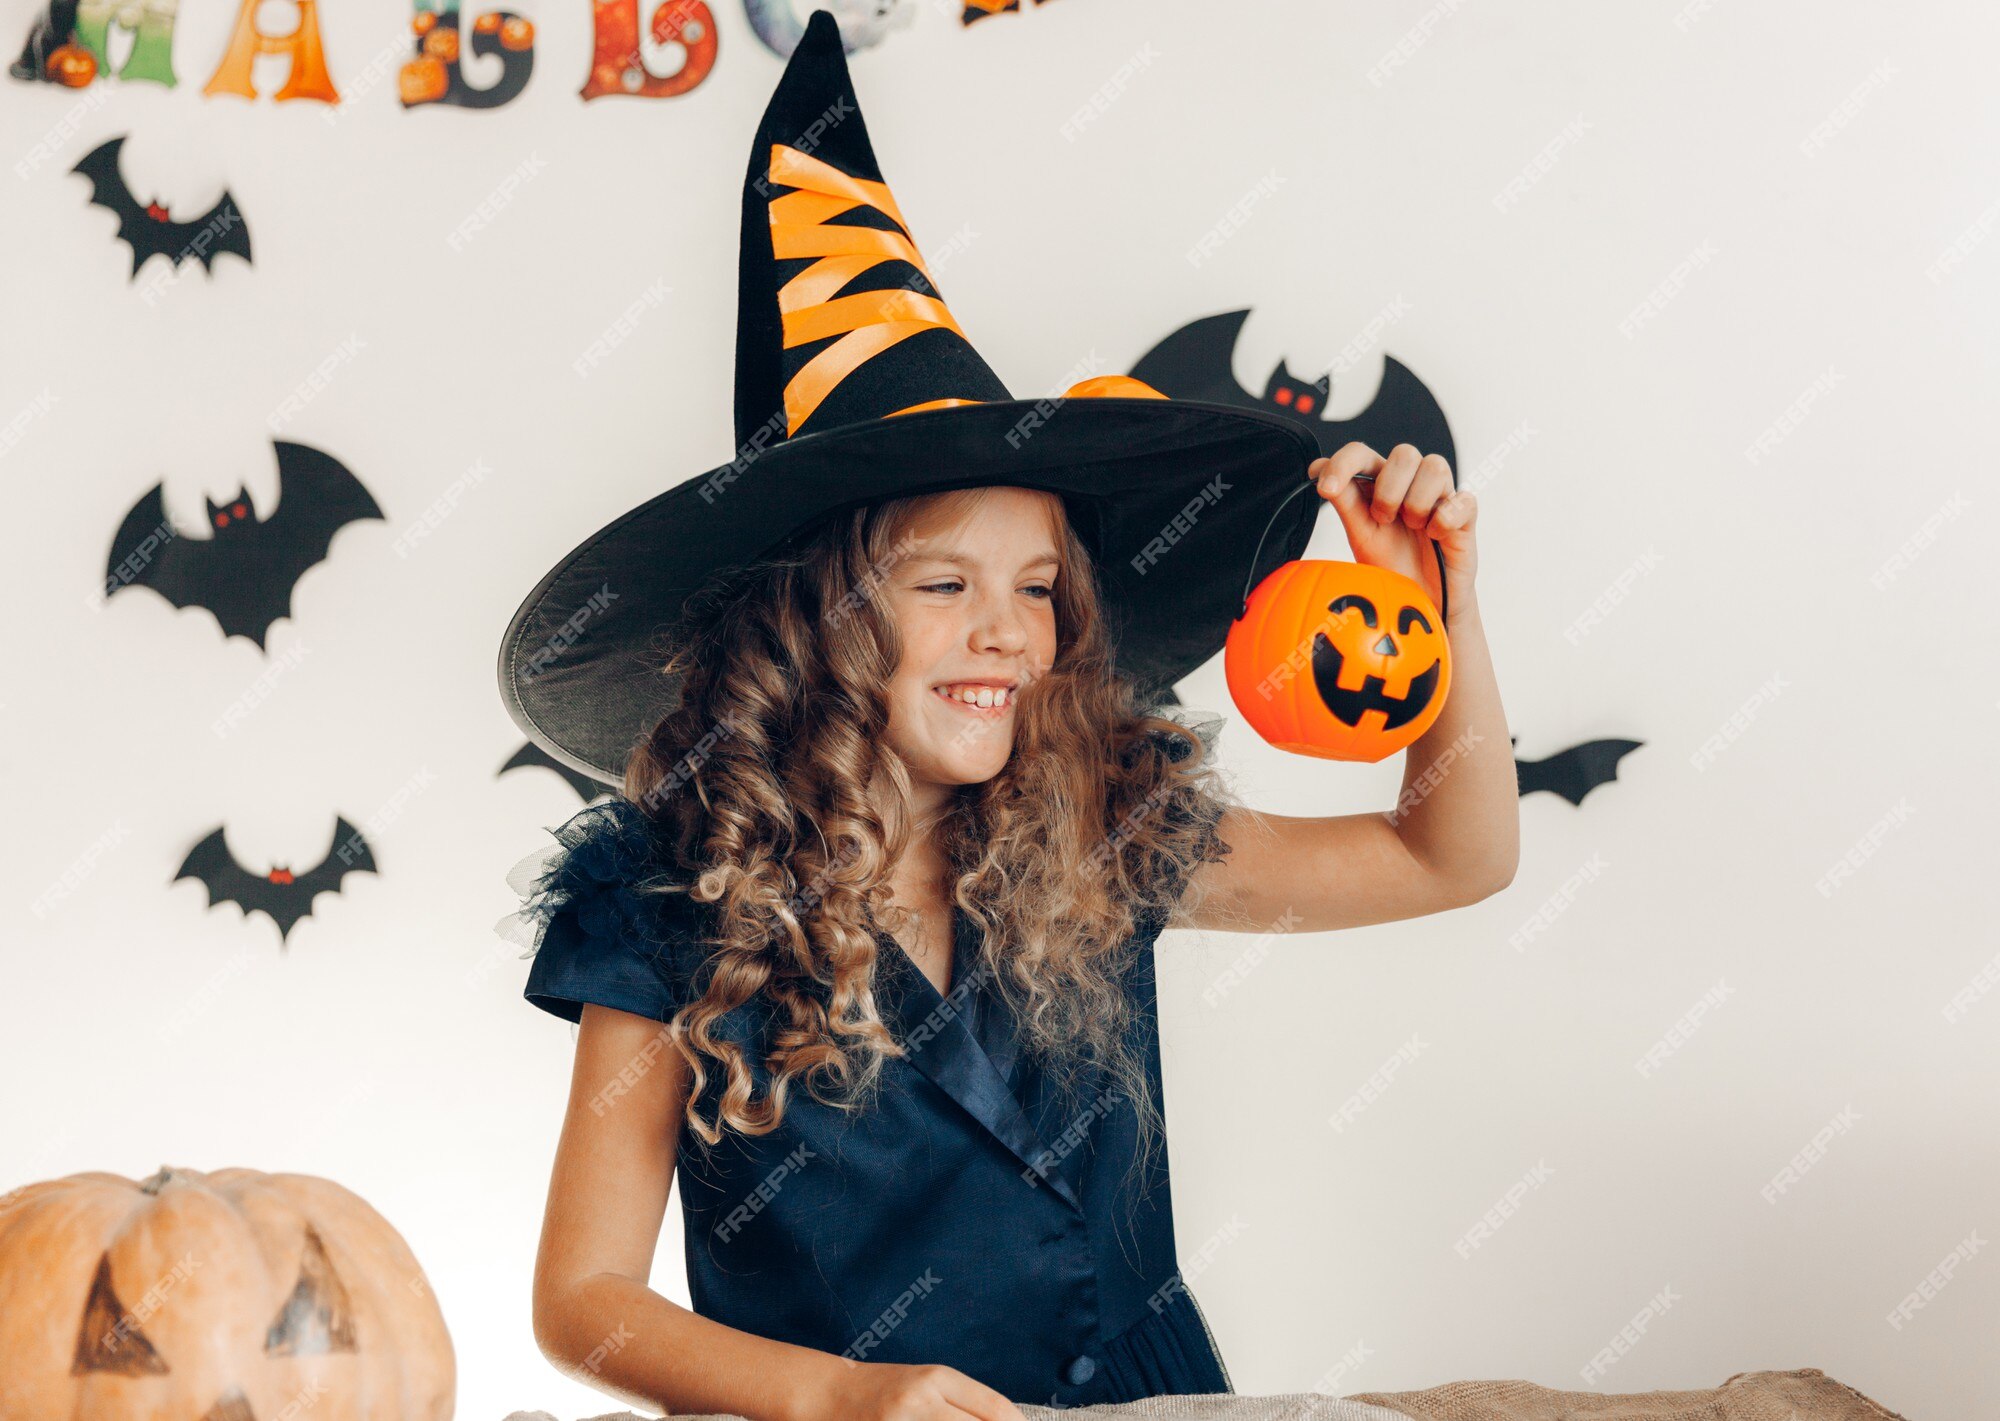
point(248, 579)
point(350, 854)
point(1404, 411)
point(232, 233)
point(148, 551)
point(587, 788)
point(107, 189)
point(1197, 362)
point(1575, 772)
point(227, 881)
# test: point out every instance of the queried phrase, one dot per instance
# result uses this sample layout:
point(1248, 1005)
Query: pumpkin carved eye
point(111, 1339)
point(317, 1317)
point(1357, 602)
point(1411, 617)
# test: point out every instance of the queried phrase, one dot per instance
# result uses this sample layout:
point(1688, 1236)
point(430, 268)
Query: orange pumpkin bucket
point(1339, 660)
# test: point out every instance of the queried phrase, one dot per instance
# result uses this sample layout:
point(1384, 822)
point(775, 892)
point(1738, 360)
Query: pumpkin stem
point(154, 1183)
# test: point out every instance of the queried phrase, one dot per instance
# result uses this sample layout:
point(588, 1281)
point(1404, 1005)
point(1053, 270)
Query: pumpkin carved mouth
point(1349, 706)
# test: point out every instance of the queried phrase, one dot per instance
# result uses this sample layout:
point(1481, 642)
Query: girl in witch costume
point(861, 949)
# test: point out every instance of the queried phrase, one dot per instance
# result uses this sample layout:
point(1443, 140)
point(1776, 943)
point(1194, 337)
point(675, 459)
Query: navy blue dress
point(959, 1220)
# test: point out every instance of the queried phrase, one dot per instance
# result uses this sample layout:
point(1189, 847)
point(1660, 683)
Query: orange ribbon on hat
point(1098, 386)
point(867, 322)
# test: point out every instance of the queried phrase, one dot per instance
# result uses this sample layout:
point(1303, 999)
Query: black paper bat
point(245, 572)
point(281, 895)
point(587, 787)
point(1197, 362)
point(148, 227)
point(1575, 772)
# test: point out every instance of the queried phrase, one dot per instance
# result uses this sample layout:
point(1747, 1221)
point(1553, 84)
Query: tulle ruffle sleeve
point(1206, 725)
point(1203, 807)
point(593, 934)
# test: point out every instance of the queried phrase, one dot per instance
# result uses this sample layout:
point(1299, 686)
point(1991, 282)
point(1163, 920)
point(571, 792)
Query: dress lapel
point(938, 1032)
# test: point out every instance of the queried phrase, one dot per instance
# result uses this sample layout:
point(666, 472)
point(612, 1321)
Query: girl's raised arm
point(1453, 835)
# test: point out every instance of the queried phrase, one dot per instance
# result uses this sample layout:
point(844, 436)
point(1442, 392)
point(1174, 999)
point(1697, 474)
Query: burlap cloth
point(1807, 1394)
point(1804, 1395)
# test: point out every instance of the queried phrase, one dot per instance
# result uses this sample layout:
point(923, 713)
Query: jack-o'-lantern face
point(315, 1319)
point(424, 80)
point(1384, 655)
point(236, 1295)
point(1340, 660)
point(71, 65)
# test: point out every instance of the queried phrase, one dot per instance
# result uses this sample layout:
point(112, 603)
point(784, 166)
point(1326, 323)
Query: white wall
point(388, 1046)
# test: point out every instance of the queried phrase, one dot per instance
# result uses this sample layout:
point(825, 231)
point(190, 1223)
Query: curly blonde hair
point(757, 783)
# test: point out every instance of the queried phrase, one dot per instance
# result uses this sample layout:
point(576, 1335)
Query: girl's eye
point(952, 583)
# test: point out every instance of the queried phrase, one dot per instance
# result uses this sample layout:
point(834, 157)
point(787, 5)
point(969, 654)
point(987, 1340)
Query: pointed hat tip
point(821, 27)
point(820, 49)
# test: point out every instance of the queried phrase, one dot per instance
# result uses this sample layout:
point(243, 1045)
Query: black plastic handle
point(1444, 591)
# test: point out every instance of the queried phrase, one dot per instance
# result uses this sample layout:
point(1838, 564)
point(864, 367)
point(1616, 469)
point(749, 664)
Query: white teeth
point(987, 696)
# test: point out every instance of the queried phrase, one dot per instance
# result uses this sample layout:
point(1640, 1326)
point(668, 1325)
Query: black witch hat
point(854, 384)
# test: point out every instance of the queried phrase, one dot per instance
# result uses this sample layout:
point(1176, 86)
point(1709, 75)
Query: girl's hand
point(1395, 509)
point(888, 1391)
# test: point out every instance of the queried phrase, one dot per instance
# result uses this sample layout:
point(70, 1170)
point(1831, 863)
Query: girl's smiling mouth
point(977, 697)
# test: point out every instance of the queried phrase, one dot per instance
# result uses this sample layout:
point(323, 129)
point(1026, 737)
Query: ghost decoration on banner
point(434, 76)
point(71, 42)
point(863, 23)
point(70, 45)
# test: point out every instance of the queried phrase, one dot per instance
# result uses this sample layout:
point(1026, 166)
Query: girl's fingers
point(1335, 473)
point(1431, 485)
point(974, 1398)
point(1342, 479)
point(1454, 513)
point(1370, 491)
point(1393, 481)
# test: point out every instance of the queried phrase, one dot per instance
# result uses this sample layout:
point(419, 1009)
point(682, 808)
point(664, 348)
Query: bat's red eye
point(1283, 397)
point(1305, 404)
point(222, 520)
point(240, 511)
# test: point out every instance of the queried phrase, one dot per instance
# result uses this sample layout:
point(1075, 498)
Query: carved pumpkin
point(228, 1296)
point(1339, 660)
point(71, 65)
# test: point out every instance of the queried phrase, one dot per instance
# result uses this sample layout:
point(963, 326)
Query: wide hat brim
point(1171, 498)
